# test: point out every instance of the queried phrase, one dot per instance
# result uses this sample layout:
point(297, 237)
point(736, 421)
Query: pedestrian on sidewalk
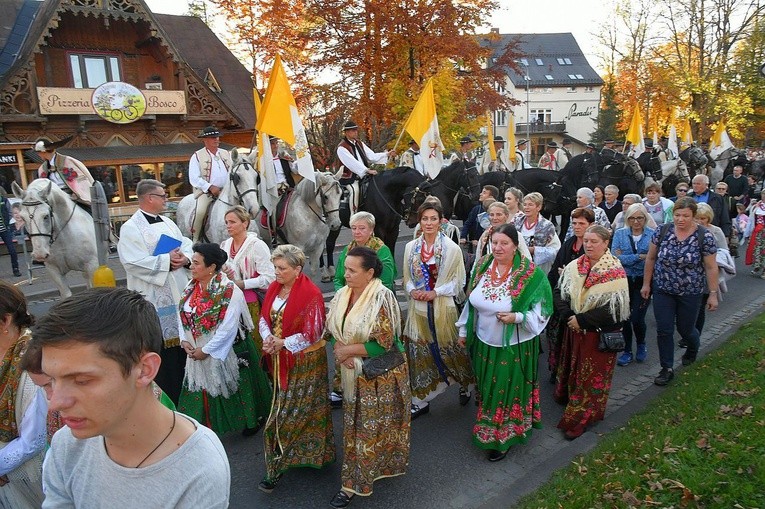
point(6, 233)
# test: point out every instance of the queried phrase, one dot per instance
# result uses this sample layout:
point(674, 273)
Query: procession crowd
point(126, 390)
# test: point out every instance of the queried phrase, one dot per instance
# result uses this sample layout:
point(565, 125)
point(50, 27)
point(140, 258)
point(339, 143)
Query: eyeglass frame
point(636, 218)
point(163, 196)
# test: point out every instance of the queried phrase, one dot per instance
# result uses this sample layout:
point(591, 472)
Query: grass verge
point(700, 444)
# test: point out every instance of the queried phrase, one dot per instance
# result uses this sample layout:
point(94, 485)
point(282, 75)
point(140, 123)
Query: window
point(579, 77)
point(561, 61)
point(572, 76)
point(589, 88)
point(499, 87)
point(539, 61)
point(541, 116)
point(90, 71)
point(500, 118)
point(567, 60)
point(570, 89)
point(525, 61)
point(548, 76)
point(538, 147)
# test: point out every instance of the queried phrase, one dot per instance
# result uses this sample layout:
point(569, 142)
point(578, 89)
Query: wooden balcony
point(540, 128)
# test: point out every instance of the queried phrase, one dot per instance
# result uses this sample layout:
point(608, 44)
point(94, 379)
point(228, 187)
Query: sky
point(580, 17)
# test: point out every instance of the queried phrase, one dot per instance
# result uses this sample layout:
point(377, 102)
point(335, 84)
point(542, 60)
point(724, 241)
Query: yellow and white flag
point(686, 136)
point(422, 126)
point(720, 141)
point(672, 144)
point(268, 191)
point(510, 150)
point(635, 134)
point(279, 117)
point(490, 137)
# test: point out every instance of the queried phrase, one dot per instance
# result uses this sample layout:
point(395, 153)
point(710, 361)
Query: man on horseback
point(548, 161)
point(282, 167)
point(499, 164)
point(465, 153)
point(663, 152)
point(649, 161)
point(69, 174)
point(563, 154)
point(355, 156)
point(208, 173)
point(412, 158)
point(520, 148)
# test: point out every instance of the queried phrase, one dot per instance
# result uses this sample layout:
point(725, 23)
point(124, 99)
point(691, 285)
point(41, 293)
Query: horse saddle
point(281, 212)
point(353, 193)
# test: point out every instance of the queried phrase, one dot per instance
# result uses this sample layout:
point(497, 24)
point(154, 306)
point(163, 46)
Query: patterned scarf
point(423, 276)
point(209, 305)
point(588, 286)
point(10, 375)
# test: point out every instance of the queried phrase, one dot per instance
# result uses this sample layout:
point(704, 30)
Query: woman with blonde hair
point(538, 232)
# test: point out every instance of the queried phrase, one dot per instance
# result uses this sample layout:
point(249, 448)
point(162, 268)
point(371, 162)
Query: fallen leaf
point(630, 499)
point(688, 497)
point(702, 443)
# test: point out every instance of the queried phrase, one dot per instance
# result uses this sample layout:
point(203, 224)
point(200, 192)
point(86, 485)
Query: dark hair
point(369, 259)
point(686, 202)
point(121, 322)
point(13, 302)
point(602, 189)
point(429, 206)
point(211, 254)
point(509, 230)
point(586, 213)
point(493, 190)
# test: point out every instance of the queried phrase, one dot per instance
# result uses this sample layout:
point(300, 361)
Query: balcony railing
point(540, 127)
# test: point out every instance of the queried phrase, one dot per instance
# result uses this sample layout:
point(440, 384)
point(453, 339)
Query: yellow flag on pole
point(268, 191)
point(635, 133)
point(720, 141)
point(279, 117)
point(422, 126)
point(511, 139)
point(490, 136)
point(686, 136)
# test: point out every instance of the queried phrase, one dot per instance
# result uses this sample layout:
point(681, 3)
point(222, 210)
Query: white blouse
point(294, 343)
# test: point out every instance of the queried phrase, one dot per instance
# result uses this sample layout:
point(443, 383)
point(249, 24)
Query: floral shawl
point(10, 375)
point(210, 305)
point(588, 286)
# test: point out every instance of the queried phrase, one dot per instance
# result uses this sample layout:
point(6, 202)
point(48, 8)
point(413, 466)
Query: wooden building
point(54, 54)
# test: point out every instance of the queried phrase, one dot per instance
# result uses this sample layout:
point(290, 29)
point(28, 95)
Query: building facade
point(65, 67)
point(558, 90)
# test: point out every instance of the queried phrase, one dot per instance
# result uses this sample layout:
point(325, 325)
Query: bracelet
point(712, 291)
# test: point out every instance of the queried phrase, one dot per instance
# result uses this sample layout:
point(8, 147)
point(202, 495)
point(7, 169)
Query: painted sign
point(8, 159)
point(79, 101)
point(118, 102)
point(574, 112)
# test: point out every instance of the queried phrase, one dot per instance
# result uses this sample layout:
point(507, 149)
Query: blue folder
point(165, 245)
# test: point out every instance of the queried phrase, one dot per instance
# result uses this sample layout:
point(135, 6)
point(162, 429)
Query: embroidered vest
point(205, 161)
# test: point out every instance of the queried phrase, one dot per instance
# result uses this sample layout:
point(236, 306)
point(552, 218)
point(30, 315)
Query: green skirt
point(245, 408)
point(299, 432)
point(508, 392)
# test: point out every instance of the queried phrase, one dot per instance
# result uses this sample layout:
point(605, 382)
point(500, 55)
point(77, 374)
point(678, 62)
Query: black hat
point(412, 142)
point(350, 125)
point(499, 138)
point(522, 141)
point(592, 146)
point(44, 144)
point(552, 144)
point(648, 143)
point(209, 132)
point(608, 141)
point(567, 141)
point(272, 138)
point(466, 139)
point(664, 138)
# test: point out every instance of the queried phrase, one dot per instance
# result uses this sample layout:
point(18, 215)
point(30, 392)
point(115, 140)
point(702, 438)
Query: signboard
point(79, 101)
point(118, 103)
point(8, 160)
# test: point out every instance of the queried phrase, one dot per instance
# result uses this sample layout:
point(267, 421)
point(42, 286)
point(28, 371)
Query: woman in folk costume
point(508, 306)
point(592, 296)
point(224, 388)
point(447, 227)
point(755, 234)
point(538, 232)
point(499, 214)
point(364, 323)
point(298, 432)
point(23, 409)
point(434, 275)
point(249, 263)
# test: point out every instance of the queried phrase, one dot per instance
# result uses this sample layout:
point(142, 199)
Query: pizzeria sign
point(79, 101)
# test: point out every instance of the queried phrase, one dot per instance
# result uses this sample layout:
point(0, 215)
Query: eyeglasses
point(682, 190)
point(636, 218)
point(163, 196)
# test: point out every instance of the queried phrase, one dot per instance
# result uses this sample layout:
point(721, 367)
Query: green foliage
point(608, 117)
point(700, 444)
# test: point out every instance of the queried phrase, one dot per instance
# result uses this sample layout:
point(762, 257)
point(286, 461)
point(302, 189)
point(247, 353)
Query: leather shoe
point(464, 396)
point(573, 434)
point(682, 343)
point(665, 376)
point(267, 485)
point(689, 358)
point(419, 410)
point(495, 455)
point(341, 499)
point(16, 272)
point(336, 399)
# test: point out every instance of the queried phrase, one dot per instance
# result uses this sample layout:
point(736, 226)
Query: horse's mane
point(38, 185)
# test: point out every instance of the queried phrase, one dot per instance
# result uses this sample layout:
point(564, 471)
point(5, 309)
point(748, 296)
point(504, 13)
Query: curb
point(53, 294)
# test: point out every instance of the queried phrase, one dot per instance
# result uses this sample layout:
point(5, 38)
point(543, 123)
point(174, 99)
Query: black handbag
point(611, 341)
point(373, 367)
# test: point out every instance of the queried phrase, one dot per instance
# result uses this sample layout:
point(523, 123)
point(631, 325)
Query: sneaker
point(16, 272)
point(642, 353)
point(419, 410)
point(624, 359)
point(336, 399)
point(665, 376)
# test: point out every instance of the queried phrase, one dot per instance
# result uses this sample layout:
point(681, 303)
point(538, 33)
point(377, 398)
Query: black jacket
point(722, 216)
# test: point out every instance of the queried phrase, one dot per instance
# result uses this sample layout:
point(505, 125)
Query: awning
point(124, 154)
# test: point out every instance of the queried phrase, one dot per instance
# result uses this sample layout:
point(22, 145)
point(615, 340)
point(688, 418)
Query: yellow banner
point(79, 101)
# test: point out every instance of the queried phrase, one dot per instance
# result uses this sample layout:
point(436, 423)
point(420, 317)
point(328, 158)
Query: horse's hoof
point(325, 277)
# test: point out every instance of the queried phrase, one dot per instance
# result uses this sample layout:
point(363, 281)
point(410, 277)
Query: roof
point(202, 50)
point(562, 61)
point(124, 154)
point(16, 17)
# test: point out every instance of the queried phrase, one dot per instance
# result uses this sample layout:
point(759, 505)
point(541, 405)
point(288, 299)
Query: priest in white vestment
point(160, 278)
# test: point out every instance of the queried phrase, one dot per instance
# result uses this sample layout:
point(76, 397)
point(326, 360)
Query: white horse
point(63, 235)
point(313, 211)
point(241, 189)
point(721, 161)
point(676, 167)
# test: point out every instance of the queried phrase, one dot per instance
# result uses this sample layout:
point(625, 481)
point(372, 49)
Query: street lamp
point(528, 119)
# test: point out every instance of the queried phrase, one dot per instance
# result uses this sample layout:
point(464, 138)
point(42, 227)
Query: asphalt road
point(445, 469)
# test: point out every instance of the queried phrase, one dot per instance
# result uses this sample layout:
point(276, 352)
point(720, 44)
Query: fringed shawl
point(450, 267)
point(527, 286)
point(588, 287)
point(10, 375)
point(356, 326)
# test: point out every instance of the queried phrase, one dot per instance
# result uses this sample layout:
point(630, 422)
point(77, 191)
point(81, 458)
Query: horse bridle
point(32, 221)
point(408, 209)
point(321, 193)
point(235, 178)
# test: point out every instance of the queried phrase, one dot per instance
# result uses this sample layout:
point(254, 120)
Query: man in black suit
point(702, 194)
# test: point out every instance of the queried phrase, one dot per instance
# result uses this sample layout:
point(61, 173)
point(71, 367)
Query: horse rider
point(208, 174)
point(548, 160)
point(500, 163)
point(520, 148)
point(608, 153)
point(663, 152)
point(411, 158)
point(465, 153)
point(66, 172)
point(283, 164)
point(356, 157)
point(563, 154)
point(648, 159)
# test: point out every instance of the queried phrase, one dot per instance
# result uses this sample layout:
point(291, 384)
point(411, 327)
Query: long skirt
point(433, 367)
point(584, 380)
point(299, 432)
point(376, 431)
point(171, 371)
point(755, 251)
point(508, 389)
point(254, 308)
point(245, 408)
